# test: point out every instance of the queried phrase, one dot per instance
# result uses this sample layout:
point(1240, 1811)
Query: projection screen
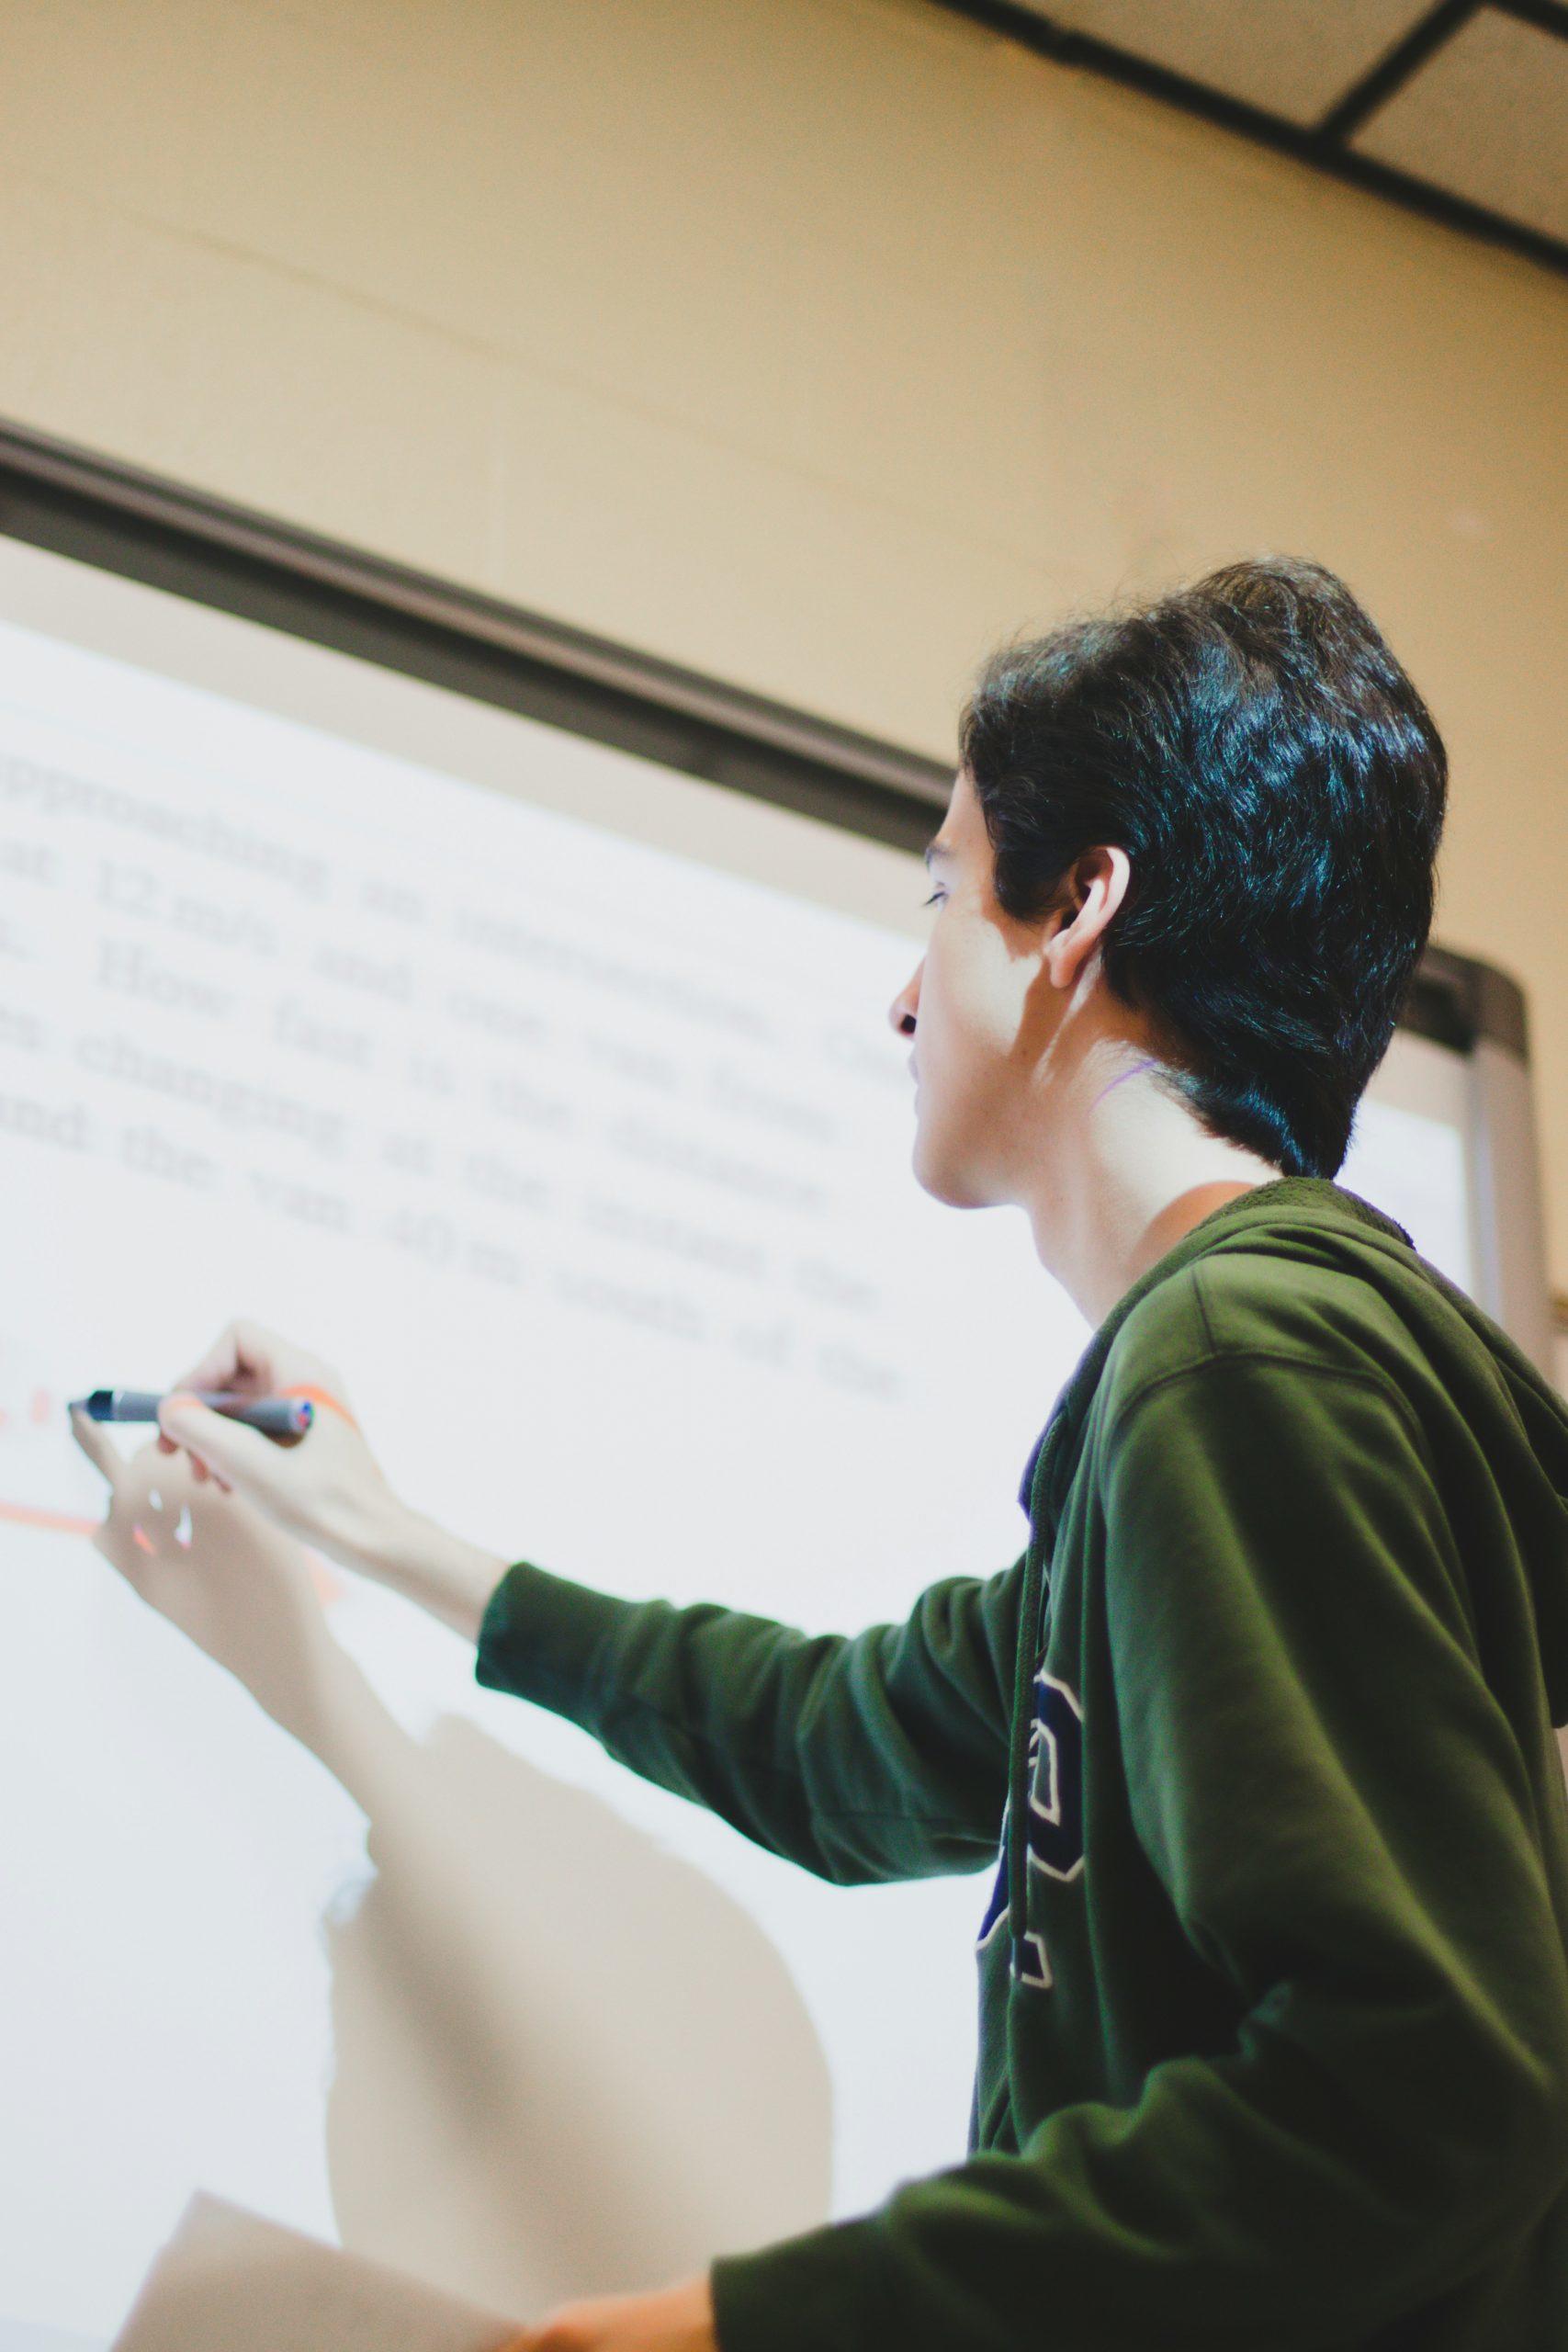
point(550, 1093)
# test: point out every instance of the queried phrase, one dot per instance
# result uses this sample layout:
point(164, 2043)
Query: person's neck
point(1128, 1173)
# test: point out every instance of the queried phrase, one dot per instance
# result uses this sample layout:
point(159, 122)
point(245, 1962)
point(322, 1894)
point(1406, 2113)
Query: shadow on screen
point(567, 2062)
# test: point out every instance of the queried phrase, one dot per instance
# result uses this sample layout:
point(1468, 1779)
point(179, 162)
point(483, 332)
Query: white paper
point(229, 2282)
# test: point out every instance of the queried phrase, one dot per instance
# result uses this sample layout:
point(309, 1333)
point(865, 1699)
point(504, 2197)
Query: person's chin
point(941, 1178)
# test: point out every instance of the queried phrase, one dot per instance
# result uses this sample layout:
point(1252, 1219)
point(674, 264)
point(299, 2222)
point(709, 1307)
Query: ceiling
point(1459, 111)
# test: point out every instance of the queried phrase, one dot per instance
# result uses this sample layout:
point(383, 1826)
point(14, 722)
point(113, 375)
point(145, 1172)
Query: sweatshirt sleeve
point(1342, 1820)
point(878, 1756)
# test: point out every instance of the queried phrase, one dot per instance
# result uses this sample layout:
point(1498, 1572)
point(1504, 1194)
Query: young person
point(1273, 1986)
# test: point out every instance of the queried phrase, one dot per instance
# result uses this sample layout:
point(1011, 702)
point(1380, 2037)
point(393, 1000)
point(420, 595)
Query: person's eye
point(934, 897)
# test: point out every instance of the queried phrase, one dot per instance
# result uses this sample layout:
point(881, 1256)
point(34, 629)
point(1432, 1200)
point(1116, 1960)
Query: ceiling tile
point(1487, 118)
point(1292, 57)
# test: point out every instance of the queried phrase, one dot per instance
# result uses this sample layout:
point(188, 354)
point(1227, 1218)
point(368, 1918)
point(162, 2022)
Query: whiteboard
point(552, 1096)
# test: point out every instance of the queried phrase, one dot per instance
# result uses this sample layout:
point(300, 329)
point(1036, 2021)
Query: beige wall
point(812, 342)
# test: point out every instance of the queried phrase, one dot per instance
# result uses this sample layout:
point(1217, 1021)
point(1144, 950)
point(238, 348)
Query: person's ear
point(1092, 891)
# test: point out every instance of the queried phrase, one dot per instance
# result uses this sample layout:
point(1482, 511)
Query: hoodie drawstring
point(1018, 1758)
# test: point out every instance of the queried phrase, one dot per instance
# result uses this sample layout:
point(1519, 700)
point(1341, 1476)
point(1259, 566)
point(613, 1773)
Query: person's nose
point(905, 1008)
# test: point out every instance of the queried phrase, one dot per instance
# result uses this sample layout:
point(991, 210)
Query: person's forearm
point(878, 1756)
point(452, 1579)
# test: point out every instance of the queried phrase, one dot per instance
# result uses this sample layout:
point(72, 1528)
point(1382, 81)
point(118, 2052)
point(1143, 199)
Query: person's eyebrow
point(937, 852)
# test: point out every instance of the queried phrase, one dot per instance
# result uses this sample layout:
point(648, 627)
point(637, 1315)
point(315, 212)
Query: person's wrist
point(372, 1533)
point(427, 1563)
point(388, 1536)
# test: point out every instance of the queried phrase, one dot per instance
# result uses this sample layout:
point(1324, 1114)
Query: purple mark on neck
point(1149, 1062)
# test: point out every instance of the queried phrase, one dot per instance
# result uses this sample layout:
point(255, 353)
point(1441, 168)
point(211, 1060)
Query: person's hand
point(677, 2319)
point(230, 1580)
point(327, 1489)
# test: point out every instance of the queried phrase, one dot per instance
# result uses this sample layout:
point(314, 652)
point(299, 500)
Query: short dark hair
point(1278, 787)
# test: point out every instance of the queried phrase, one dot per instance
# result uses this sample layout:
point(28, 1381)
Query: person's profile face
point(962, 1013)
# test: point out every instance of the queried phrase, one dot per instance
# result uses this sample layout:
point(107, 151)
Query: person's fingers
point(224, 1449)
point(96, 1444)
point(249, 1360)
point(237, 1359)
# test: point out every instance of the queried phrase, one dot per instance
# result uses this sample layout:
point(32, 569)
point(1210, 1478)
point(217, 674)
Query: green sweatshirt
point(1273, 1987)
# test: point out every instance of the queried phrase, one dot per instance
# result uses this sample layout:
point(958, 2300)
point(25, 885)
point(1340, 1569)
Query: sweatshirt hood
point(1315, 1221)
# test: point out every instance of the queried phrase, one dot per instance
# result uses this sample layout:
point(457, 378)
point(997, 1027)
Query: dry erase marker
point(286, 1418)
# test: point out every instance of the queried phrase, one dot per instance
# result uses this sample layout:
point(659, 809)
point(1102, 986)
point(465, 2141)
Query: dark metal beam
point(1547, 16)
point(1390, 73)
point(1064, 46)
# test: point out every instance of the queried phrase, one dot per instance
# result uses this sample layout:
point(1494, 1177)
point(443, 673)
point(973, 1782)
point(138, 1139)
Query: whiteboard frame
point(74, 502)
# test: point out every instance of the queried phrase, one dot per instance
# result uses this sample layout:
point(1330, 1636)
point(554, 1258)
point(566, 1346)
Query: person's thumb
point(241, 1457)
